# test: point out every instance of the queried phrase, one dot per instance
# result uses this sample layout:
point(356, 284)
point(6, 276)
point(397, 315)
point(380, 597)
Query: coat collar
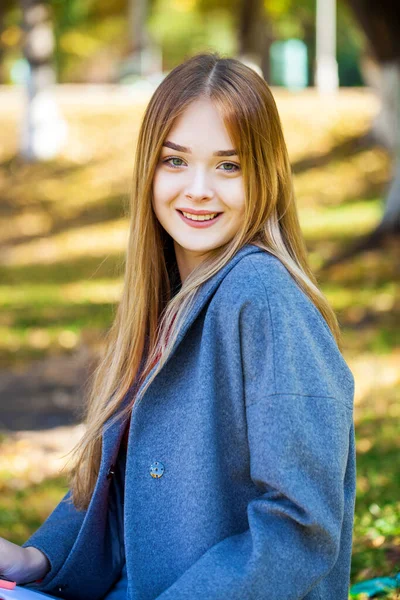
point(205, 291)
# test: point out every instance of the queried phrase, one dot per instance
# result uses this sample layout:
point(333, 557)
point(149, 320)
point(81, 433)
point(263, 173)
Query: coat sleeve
point(298, 436)
point(56, 536)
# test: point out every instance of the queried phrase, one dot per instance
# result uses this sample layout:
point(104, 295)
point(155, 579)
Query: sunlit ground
point(63, 232)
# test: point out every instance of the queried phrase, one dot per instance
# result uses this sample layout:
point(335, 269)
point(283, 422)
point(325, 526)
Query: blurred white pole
point(326, 74)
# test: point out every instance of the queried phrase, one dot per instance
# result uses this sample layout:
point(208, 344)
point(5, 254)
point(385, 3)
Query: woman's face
point(198, 173)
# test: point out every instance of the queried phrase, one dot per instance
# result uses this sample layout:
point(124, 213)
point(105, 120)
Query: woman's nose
point(199, 185)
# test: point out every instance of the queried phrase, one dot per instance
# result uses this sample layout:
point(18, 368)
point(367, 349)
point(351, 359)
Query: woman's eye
point(234, 168)
point(167, 162)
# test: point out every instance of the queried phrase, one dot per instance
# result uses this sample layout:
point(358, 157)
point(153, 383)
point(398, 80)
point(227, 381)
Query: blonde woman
point(219, 461)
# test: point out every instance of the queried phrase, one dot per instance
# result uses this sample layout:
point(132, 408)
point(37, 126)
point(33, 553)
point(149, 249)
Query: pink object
point(7, 584)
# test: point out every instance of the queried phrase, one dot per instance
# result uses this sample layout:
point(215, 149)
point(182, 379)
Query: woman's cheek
point(159, 190)
point(234, 194)
point(165, 186)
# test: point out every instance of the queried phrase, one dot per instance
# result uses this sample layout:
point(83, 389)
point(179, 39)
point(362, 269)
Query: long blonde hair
point(151, 296)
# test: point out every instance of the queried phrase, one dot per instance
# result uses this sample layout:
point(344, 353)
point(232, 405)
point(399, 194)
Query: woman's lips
point(199, 224)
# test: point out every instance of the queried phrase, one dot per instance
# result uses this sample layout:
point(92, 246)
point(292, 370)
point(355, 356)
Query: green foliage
point(289, 18)
point(82, 29)
point(181, 29)
point(350, 46)
point(69, 13)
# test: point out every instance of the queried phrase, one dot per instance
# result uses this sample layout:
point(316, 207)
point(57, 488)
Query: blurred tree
point(144, 56)
point(43, 129)
point(138, 40)
point(5, 6)
point(90, 36)
point(184, 27)
point(381, 25)
point(67, 15)
point(254, 35)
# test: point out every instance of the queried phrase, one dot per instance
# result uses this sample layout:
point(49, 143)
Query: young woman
point(219, 460)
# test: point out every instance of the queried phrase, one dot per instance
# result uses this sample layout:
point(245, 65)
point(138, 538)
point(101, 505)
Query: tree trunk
point(43, 130)
point(381, 25)
point(390, 223)
point(254, 36)
point(380, 22)
point(386, 130)
point(137, 30)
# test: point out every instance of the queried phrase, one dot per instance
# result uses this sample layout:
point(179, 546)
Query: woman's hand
point(23, 565)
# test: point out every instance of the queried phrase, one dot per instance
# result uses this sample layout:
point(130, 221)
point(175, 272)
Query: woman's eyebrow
point(179, 148)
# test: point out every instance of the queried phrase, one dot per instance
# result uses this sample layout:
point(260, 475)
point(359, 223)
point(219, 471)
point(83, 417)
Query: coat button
point(111, 472)
point(156, 469)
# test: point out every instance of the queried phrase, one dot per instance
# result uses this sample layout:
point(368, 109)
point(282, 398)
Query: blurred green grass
point(22, 511)
point(64, 232)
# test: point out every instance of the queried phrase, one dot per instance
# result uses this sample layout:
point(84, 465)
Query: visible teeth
point(199, 217)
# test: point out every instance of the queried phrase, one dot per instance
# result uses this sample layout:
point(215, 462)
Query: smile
point(199, 217)
point(199, 221)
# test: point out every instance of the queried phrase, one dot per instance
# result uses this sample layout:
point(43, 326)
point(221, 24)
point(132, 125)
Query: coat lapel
point(112, 437)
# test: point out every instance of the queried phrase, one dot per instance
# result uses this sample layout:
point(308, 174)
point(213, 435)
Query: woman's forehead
point(200, 125)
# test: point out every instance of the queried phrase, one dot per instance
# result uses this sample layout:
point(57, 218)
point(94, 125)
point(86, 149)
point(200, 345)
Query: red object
point(7, 584)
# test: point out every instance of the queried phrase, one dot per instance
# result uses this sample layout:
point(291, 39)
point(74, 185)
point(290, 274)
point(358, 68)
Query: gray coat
point(240, 476)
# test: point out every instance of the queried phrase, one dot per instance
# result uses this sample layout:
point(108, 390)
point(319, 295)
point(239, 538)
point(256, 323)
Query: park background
point(75, 78)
